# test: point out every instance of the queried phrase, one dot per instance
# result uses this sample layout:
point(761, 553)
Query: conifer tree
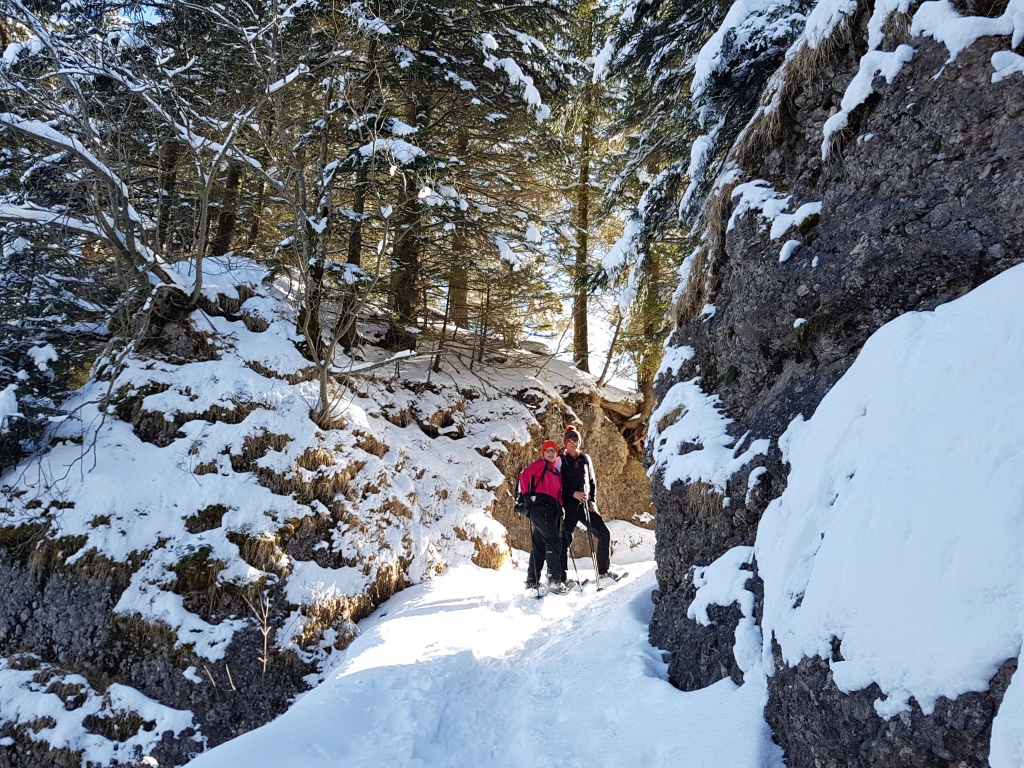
point(582, 127)
point(692, 75)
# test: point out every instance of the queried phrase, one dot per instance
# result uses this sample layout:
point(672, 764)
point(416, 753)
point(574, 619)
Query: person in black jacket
point(579, 497)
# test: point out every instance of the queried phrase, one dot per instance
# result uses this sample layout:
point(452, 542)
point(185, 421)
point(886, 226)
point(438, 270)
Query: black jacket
point(577, 475)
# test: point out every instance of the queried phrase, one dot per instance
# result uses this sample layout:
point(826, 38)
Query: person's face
point(572, 447)
point(550, 454)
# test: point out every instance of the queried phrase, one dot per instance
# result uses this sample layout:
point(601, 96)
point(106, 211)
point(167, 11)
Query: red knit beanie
point(548, 444)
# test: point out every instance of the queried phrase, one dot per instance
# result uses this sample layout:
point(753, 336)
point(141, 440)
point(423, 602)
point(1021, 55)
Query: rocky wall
point(57, 621)
point(922, 200)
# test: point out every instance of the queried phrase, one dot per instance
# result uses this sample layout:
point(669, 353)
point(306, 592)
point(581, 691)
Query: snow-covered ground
point(900, 533)
point(464, 670)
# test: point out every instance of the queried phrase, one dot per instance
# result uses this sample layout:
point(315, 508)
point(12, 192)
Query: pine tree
point(583, 129)
point(692, 76)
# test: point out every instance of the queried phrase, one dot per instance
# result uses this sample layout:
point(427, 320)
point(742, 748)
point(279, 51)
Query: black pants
point(575, 512)
point(546, 541)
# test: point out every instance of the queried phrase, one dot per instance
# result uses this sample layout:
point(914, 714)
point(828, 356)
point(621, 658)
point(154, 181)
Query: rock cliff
point(917, 200)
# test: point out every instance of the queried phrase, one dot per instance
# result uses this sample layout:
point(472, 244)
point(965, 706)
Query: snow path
point(464, 670)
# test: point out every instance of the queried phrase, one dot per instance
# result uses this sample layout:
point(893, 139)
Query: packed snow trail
point(466, 671)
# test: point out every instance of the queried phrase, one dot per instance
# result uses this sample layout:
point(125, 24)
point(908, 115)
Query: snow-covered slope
point(466, 671)
point(895, 553)
point(195, 529)
point(901, 531)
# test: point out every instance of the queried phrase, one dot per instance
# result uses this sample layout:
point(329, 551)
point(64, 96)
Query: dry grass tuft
point(343, 612)
point(764, 131)
point(898, 25)
point(389, 582)
point(209, 468)
point(396, 508)
point(702, 282)
point(97, 566)
point(40, 751)
point(206, 519)
point(155, 636)
point(254, 323)
point(50, 553)
point(988, 8)
point(153, 426)
point(196, 573)
point(326, 613)
point(255, 447)
point(309, 373)
point(492, 556)
point(119, 726)
point(305, 486)
point(761, 135)
point(402, 418)
point(703, 501)
point(670, 418)
point(24, 662)
point(370, 444)
point(41, 723)
point(315, 458)
point(73, 695)
point(261, 552)
point(21, 539)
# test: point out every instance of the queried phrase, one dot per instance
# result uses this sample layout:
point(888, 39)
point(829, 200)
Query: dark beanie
point(570, 434)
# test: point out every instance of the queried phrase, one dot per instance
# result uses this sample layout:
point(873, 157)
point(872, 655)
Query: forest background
point(462, 171)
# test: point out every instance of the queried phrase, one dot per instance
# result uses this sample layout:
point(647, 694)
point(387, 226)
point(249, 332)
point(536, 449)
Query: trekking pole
point(593, 551)
point(561, 536)
point(577, 570)
point(568, 556)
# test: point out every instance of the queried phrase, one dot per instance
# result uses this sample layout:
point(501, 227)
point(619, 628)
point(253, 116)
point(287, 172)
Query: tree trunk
point(168, 178)
point(355, 236)
point(227, 220)
point(484, 317)
point(653, 323)
point(458, 279)
point(580, 342)
point(404, 275)
point(346, 330)
point(308, 321)
point(611, 349)
point(458, 285)
point(256, 214)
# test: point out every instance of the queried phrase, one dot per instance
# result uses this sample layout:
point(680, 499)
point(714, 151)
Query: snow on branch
point(32, 214)
point(516, 76)
point(48, 135)
point(402, 152)
point(291, 77)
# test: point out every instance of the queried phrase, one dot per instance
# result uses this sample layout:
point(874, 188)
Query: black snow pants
point(546, 541)
point(575, 512)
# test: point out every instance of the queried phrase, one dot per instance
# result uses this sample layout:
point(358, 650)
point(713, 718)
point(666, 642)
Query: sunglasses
point(571, 440)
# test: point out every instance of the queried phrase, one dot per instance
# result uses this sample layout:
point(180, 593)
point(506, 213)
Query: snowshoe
point(558, 588)
point(605, 578)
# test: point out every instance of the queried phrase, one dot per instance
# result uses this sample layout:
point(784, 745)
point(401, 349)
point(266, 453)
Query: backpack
point(524, 502)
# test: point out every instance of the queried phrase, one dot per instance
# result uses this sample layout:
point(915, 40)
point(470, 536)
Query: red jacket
point(548, 483)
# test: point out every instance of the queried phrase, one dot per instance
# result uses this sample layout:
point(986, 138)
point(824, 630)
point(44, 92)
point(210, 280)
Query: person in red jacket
point(541, 484)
